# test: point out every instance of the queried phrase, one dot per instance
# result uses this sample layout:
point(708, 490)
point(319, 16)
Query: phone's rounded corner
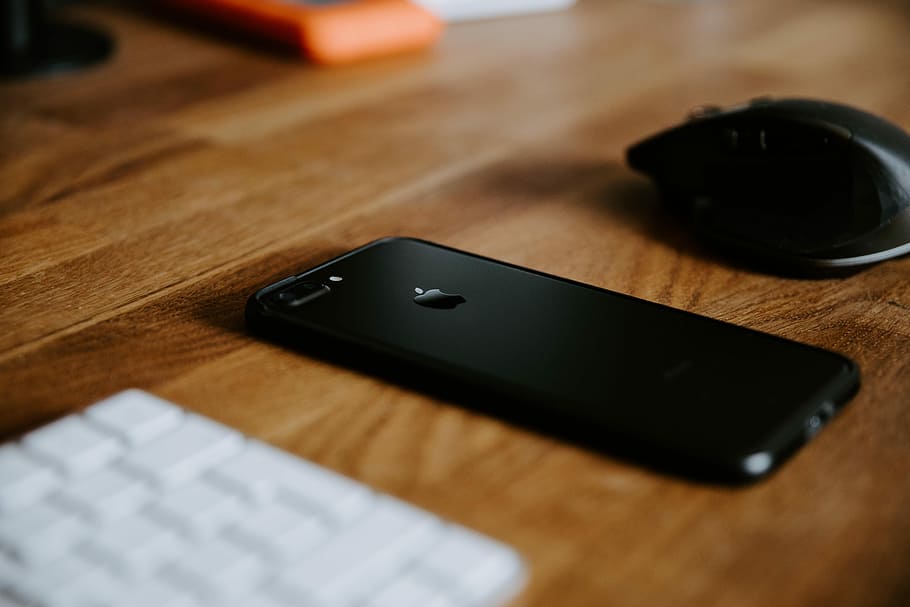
point(253, 312)
point(729, 471)
point(756, 466)
point(846, 384)
point(736, 471)
point(851, 373)
point(256, 308)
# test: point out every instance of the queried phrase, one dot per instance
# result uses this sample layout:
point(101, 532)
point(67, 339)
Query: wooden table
point(142, 201)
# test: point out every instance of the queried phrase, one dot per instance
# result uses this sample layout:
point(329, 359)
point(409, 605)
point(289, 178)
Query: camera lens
point(299, 294)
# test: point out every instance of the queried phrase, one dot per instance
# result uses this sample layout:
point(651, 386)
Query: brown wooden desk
point(142, 201)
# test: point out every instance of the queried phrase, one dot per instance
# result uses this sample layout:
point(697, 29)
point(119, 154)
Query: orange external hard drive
point(327, 31)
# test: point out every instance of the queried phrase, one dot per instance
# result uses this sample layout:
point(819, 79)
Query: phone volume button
point(819, 419)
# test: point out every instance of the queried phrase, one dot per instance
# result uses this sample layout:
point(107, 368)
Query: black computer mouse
point(804, 184)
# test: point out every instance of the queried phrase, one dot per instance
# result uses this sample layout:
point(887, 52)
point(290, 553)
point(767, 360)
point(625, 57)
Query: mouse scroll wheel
point(703, 111)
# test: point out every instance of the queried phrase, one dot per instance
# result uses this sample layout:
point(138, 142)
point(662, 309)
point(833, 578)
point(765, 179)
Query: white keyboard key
point(135, 416)
point(105, 495)
point(477, 566)
point(155, 593)
point(40, 533)
point(97, 588)
point(10, 572)
point(23, 480)
point(198, 509)
point(260, 472)
point(218, 570)
point(135, 546)
point(363, 557)
point(253, 472)
point(73, 445)
point(180, 455)
point(264, 599)
point(50, 583)
point(411, 590)
point(281, 532)
point(100, 588)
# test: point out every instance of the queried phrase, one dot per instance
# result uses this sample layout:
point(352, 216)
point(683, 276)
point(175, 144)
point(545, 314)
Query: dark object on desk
point(807, 186)
point(34, 45)
point(661, 386)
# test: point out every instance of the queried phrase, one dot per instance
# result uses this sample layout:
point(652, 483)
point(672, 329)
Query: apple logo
point(435, 298)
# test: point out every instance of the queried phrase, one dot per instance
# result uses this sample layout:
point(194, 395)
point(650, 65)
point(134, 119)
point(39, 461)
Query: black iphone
point(641, 380)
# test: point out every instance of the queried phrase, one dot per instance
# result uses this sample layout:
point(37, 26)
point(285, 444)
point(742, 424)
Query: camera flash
point(336, 278)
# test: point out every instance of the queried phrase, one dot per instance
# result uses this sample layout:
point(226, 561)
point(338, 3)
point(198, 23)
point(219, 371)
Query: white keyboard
point(138, 503)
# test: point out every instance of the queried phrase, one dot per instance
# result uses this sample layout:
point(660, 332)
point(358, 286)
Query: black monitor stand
point(31, 44)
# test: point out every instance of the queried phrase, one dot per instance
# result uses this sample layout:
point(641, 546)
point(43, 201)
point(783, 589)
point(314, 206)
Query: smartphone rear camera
point(299, 294)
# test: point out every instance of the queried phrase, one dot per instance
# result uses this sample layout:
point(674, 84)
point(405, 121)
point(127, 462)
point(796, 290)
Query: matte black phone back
point(698, 392)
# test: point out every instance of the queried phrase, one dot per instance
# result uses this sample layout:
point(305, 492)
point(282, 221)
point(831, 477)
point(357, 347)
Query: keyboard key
point(411, 590)
point(101, 588)
point(476, 566)
point(10, 571)
point(135, 546)
point(97, 588)
point(73, 445)
point(23, 480)
point(185, 452)
point(253, 473)
point(218, 570)
point(9, 602)
point(198, 509)
point(261, 472)
point(135, 416)
point(40, 533)
point(51, 584)
point(105, 495)
point(154, 593)
point(281, 532)
point(263, 599)
point(364, 556)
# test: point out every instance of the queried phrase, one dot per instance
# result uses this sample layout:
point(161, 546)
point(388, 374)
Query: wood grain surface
point(142, 201)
